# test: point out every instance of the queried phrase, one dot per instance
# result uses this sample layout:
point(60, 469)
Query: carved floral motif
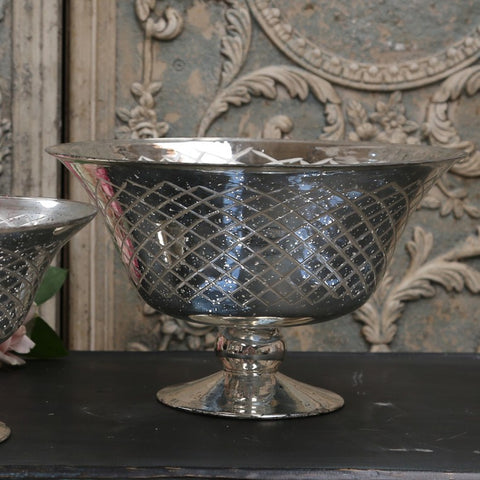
point(387, 124)
point(142, 120)
point(277, 127)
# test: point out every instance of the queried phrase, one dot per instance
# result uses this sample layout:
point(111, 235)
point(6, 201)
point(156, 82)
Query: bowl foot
point(4, 432)
point(287, 398)
point(249, 385)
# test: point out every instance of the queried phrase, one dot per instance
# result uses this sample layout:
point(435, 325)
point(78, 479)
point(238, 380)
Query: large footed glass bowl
point(251, 235)
point(32, 231)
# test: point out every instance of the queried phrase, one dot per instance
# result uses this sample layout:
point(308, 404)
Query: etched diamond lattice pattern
point(32, 231)
point(20, 273)
point(228, 242)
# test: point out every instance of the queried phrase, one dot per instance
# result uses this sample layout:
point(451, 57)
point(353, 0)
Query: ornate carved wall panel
point(398, 72)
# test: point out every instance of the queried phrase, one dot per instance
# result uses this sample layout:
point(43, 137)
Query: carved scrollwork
point(366, 76)
point(386, 306)
point(263, 82)
point(277, 127)
point(141, 121)
point(167, 27)
point(440, 129)
point(236, 44)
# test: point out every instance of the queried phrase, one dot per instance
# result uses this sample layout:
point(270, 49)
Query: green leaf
point(52, 282)
point(47, 342)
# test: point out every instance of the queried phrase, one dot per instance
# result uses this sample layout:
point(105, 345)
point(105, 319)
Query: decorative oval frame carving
point(361, 75)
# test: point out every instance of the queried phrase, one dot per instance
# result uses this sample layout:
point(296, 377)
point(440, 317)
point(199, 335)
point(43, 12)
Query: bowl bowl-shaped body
point(32, 231)
point(233, 231)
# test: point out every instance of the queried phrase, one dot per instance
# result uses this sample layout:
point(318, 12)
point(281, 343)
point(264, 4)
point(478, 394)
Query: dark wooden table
point(94, 415)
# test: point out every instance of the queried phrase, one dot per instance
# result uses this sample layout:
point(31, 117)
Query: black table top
point(95, 415)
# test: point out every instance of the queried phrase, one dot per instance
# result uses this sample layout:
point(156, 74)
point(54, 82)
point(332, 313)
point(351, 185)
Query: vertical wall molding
point(91, 115)
point(36, 103)
point(36, 89)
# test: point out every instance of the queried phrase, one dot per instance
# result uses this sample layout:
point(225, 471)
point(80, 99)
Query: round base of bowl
point(287, 398)
point(4, 432)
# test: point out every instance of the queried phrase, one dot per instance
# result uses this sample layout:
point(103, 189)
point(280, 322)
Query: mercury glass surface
point(32, 231)
point(251, 235)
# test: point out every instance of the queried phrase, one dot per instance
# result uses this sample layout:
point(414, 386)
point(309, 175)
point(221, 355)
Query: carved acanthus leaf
point(263, 82)
point(440, 129)
point(381, 312)
point(167, 27)
point(236, 44)
point(450, 200)
point(143, 8)
point(277, 127)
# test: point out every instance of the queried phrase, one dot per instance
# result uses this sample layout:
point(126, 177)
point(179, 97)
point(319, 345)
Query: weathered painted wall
point(5, 96)
point(387, 71)
point(30, 102)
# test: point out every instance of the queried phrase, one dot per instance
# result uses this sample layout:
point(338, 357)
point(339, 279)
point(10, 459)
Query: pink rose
point(19, 342)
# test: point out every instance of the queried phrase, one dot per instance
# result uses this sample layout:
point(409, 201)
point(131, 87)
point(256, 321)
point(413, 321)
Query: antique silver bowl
point(32, 231)
point(252, 235)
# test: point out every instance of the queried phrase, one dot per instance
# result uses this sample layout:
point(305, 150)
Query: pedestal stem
point(250, 359)
point(249, 385)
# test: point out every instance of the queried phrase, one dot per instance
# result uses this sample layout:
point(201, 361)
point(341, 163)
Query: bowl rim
point(83, 213)
point(66, 152)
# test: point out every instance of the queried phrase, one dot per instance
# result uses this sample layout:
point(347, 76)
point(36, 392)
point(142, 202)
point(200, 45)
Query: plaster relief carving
point(263, 82)
point(315, 75)
point(278, 126)
point(141, 121)
point(449, 199)
point(236, 44)
point(387, 124)
point(313, 56)
point(380, 314)
point(440, 130)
